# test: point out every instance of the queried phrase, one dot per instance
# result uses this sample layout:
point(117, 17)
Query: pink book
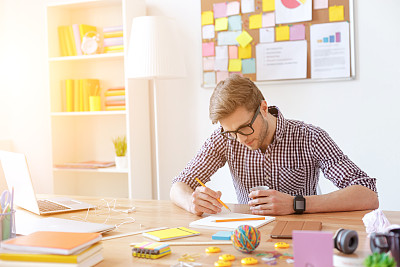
point(77, 37)
point(113, 41)
point(113, 28)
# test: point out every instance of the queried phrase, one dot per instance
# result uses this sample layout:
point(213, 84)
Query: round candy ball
point(246, 238)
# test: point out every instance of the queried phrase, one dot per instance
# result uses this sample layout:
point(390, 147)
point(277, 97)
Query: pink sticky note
point(220, 10)
point(222, 75)
point(312, 248)
point(208, 49)
point(233, 52)
point(297, 32)
point(320, 4)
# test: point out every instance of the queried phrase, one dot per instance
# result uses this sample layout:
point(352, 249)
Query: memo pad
point(312, 248)
point(209, 222)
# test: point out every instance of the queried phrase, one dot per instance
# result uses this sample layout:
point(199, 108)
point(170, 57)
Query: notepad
point(171, 233)
point(151, 250)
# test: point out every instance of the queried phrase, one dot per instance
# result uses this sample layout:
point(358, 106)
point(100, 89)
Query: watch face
point(299, 205)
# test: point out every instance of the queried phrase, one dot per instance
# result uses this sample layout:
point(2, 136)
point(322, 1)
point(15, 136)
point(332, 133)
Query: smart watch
point(299, 204)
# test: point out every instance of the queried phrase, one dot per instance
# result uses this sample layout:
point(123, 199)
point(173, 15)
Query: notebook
point(171, 233)
point(284, 229)
point(209, 221)
point(151, 250)
point(16, 172)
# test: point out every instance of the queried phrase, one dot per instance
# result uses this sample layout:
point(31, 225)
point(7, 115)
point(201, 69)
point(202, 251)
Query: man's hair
point(233, 92)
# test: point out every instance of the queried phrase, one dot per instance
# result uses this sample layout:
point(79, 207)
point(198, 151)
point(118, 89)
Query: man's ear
point(264, 108)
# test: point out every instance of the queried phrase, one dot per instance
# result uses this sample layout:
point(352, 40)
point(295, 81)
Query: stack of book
point(52, 249)
point(115, 98)
point(70, 38)
point(113, 39)
point(76, 93)
point(92, 164)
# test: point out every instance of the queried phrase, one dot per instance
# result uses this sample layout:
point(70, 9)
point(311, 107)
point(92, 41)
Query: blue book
point(222, 235)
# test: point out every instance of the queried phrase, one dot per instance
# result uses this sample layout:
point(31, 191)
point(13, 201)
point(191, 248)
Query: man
point(262, 148)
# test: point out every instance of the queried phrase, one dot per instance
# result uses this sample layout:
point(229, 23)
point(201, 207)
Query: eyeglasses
point(243, 130)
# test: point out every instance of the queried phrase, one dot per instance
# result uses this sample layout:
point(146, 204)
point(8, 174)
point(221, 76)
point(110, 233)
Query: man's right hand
point(204, 200)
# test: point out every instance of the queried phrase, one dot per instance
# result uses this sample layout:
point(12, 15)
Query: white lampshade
point(154, 49)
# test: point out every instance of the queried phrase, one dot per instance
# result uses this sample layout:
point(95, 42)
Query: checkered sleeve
point(208, 160)
point(336, 166)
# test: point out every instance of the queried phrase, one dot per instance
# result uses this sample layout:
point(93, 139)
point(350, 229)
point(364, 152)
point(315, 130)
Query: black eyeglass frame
point(232, 135)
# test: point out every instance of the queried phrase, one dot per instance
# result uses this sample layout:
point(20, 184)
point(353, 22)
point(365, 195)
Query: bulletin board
point(325, 13)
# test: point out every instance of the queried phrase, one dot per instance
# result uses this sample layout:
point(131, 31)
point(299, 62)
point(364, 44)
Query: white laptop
point(16, 172)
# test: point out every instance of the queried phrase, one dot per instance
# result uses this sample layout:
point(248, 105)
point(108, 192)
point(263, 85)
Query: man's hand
point(204, 200)
point(270, 202)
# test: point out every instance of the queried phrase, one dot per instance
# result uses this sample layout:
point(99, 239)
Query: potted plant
point(120, 146)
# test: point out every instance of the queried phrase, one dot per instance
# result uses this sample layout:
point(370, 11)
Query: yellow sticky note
point(244, 39)
point(282, 33)
point(207, 17)
point(235, 65)
point(245, 52)
point(268, 5)
point(221, 24)
point(336, 13)
point(255, 21)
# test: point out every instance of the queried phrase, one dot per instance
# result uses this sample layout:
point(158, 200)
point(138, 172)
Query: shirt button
point(340, 162)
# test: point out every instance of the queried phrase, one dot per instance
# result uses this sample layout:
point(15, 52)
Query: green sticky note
point(249, 66)
point(221, 24)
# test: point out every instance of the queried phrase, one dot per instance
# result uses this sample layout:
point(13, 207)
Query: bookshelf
point(84, 135)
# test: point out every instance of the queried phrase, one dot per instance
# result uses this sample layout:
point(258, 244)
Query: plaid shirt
point(291, 164)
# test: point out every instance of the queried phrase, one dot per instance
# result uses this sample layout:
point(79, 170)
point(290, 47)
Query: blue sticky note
point(228, 37)
point(235, 23)
point(222, 235)
point(209, 78)
point(248, 65)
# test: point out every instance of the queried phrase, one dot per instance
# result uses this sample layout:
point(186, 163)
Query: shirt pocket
point(291, 180)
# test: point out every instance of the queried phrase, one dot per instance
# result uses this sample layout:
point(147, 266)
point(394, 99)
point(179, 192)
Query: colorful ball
point(246, 238)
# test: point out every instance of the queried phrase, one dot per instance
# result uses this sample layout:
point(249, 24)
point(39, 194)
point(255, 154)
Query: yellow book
point(71, 41)
point(113, 48)
point(62, 41)
point(171, 233)
point(83, 29)
point(76, 95)
point(81, 108)
point(112, 93)
point(113, 34)
point(113, 51)
point(111, 108)
point(69, 95)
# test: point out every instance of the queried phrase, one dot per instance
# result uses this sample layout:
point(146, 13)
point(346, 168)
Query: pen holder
point(7, 225)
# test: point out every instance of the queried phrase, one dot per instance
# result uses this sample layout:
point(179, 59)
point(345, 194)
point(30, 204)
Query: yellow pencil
point(219, 200)
point(241, 219)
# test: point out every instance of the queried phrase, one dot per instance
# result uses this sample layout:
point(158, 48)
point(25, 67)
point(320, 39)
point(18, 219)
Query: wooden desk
point(153, 213)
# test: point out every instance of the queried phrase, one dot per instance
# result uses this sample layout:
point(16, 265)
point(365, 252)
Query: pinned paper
point(235, 23)
point(208, 63)
point(235, 65)
point(221, 24)
point(244, 39)
point(208, 49)
point(268, 19)
point(208, 32)
point(249, 66)
point(228, 38)
point(221, 51)
point(255, 21)
point(233, 51)
point(221, 64)
point(207, 17)
point(268, 5)
point(247, 6)
point(336, 13)
point(267, 35)
point(297, 32)
point(282, 33)
point(219, 10)
point(233, 8)
point(209, 78)
point(222, 75)
point(245, 52)
point(320, 4)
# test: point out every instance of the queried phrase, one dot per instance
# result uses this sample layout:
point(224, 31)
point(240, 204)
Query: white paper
point(247, 6)
point(330, 59)
point(221, 64)
point(281, 60)
point(268, 19)
point(228, 38)
point(288, 11)
point(267, 35)
point(233, 8)
point(320, 4)
point(221, 51)
point(208, 32)
point(208, 63)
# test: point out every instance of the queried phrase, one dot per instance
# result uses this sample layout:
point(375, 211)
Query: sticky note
point(336, 13)
point(249, 66)
point(222, 75)
point(233, 51)
point(209, 79)
point(268, 5)
point(228, 37)
point(232, 8)
point(208, 32)
point(297, 32)
point(222, 235)
point(244, 39)
point(268, 19)
point(208, 49)
point(255, 21)
point(221, 24)
point(221, 64)
point(219, 10)
point(267, 35)
point(313, 248)
point(207, 17)
point(208, 63)
point(245, 52)
point(282, 33)
point(235, 65)
point(221, 51)
point(247, 6)
point(320, 4)
point(235, 23)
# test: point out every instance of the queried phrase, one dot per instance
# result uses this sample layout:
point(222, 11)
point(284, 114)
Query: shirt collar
point(280, 123)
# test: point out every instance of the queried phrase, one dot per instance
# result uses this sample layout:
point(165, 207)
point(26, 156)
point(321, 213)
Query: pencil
point(219, 200)
point(241, 219)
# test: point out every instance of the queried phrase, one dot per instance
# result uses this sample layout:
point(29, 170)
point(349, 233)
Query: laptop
point(16, 172)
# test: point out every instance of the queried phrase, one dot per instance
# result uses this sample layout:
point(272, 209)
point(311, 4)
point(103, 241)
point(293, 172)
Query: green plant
point(379, 260)
point(120, 146)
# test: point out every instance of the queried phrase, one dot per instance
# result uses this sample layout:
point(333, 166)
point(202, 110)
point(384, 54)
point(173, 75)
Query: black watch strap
point(299, 204)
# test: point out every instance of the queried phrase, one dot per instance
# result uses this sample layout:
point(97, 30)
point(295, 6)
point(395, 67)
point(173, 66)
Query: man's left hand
point(271, 202)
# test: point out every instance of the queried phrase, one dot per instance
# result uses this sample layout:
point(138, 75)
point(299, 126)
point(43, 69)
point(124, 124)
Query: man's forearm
point(356, 197)
point(181, 195)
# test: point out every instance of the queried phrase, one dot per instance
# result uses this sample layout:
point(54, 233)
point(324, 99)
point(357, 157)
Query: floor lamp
point(154, 53)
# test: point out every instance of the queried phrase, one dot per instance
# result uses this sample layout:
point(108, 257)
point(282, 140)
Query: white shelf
point(107, 170)
point(88, 113)
point(119, 55)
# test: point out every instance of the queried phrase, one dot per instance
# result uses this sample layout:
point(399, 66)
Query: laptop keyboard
point(46, 206)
